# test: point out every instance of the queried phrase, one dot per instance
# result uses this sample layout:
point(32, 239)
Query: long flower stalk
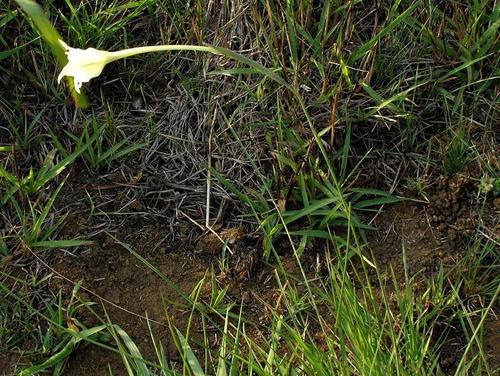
point(83, 65)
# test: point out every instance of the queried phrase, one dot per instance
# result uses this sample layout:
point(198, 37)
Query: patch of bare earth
point(431, 234)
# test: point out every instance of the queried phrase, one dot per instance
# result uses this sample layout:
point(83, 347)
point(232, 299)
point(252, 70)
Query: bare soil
point(431, 235)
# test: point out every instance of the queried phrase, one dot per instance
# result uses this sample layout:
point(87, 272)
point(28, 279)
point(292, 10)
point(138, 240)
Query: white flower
point(83, 65)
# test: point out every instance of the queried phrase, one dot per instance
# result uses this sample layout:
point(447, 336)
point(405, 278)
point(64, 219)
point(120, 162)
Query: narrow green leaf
point(189, 354)
point(233, 71)
point(52, 244)
point(371, 191)
point(58, 168)
point(465, 65)
point(125, 151)
point(12, 51)
point(313, 234)
point(134, 351)
point(247, 61)
point(242, 196)
point(51, 37)
point(37, 226)
point(66, 351)
point(360, 52)
point(293, 215)
point(376, 202)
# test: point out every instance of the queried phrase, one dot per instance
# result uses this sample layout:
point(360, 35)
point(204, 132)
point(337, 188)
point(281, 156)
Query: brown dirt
point(119, 277)
point(431, 234)
point(129, 290)
point(492, 341)
point(7, 361)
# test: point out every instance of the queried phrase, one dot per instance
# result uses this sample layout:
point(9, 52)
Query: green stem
point(116, 55)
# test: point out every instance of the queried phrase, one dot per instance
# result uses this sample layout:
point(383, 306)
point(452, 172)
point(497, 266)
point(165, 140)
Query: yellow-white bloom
point(84, 65)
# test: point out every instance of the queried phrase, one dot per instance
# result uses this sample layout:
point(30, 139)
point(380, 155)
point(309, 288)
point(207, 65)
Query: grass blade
point(190, 356)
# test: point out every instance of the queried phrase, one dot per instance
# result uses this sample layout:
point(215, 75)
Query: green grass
point(312, 118)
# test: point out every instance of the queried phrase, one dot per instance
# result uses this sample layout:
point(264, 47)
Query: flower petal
point(78, 85)
point(62, 74)
point(65, 46)
point(83, 65)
